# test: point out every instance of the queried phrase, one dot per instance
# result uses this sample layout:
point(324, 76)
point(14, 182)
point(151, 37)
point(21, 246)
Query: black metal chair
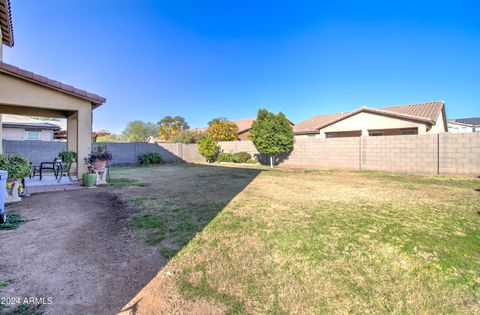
point(56, 166)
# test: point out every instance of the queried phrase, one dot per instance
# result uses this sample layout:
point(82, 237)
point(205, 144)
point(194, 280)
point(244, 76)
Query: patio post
point(84, 138)
point(79, 137)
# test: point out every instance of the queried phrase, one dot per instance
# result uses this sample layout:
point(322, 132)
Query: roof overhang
point(444, 114)
point(246, 129)
point(382, 113)
point(307, 132)
point(6, 23)
point(30, 125)
point(52, 84)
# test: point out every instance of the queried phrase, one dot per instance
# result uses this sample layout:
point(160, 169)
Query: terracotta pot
point(100, 164)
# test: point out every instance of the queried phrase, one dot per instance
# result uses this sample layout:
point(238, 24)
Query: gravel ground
point(75, 251)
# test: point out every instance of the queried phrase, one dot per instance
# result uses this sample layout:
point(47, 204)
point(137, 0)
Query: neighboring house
point(16, 127)
point(28, 94)
point(28, 131)
point(423, 118)
point(244, 127)
point(464, 125)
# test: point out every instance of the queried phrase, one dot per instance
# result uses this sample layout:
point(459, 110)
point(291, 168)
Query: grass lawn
point(247, 240)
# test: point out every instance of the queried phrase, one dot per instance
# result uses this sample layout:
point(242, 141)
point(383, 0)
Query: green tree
point(169, 127)
point(208, 148)
point(189, 136)
point(139, 131)
point(108, 136)
point(222, 129)
point(272, 134)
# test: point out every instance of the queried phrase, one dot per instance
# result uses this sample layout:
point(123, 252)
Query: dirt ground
point(77, 250)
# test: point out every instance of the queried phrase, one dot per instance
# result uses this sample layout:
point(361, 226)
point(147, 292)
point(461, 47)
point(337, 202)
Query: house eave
point(52, 84)
point(6, 24)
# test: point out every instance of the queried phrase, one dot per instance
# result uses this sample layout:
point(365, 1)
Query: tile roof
point(312, 124)
point(425, 112)
point(244, 124)
point(56, 85)
point(6, 24)
point(428, 110)
point(467, 121)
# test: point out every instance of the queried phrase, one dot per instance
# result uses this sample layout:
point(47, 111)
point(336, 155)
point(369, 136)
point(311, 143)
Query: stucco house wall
point(244, 136)
point(363, 122)
point(439, 127)
point(366, 121)
point(21, 134)
point(18, 96)
point(459, 128)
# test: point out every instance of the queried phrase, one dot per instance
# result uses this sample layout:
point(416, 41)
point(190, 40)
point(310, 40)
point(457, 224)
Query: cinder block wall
point(35, 151)
point(437, 154)
point(123, 153)
point(341, 153)
point(238, 146)
point(446, 153)
point(459, 153)
point(411, 154)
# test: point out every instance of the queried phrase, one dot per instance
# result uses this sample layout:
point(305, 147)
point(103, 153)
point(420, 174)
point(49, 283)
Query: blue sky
point(206, 59)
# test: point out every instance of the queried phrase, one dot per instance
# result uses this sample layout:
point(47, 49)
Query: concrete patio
point(49, 183)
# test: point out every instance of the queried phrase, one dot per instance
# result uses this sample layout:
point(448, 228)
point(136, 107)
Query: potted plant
point(90, 178)
point(100, 157)
point(18, 168)
point(68, 158)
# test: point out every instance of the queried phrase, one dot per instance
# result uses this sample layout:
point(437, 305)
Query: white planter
point(12, 194)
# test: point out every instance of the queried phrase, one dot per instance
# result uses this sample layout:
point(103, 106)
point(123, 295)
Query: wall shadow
point(277, 160)
point(173, 203)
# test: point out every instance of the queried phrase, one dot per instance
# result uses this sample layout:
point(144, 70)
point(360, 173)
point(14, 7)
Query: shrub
point(189, 136)
point(225, 157)
point(238, 157)
point(150, 158)
point(208, 148)
point(68, 157)
point(16, 165)
point(241, 157)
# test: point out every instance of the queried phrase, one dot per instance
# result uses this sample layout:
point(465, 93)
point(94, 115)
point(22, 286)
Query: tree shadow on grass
point(179, 200)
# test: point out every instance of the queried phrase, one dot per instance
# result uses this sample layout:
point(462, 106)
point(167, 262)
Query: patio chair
point(56, 166)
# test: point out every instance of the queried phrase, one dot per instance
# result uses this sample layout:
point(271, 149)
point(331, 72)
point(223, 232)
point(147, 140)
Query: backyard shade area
point(25, 93)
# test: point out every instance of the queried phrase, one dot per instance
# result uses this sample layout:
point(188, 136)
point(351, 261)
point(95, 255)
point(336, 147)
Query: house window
point(329, 135)
point(409, 132)
point(376, 133)
point(311, 136)
point(33, 135)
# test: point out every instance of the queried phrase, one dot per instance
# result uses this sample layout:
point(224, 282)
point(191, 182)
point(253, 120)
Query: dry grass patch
point(293, 241)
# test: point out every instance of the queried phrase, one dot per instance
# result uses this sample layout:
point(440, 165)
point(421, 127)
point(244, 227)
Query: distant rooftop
point(474, 121)
point(19, 121)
